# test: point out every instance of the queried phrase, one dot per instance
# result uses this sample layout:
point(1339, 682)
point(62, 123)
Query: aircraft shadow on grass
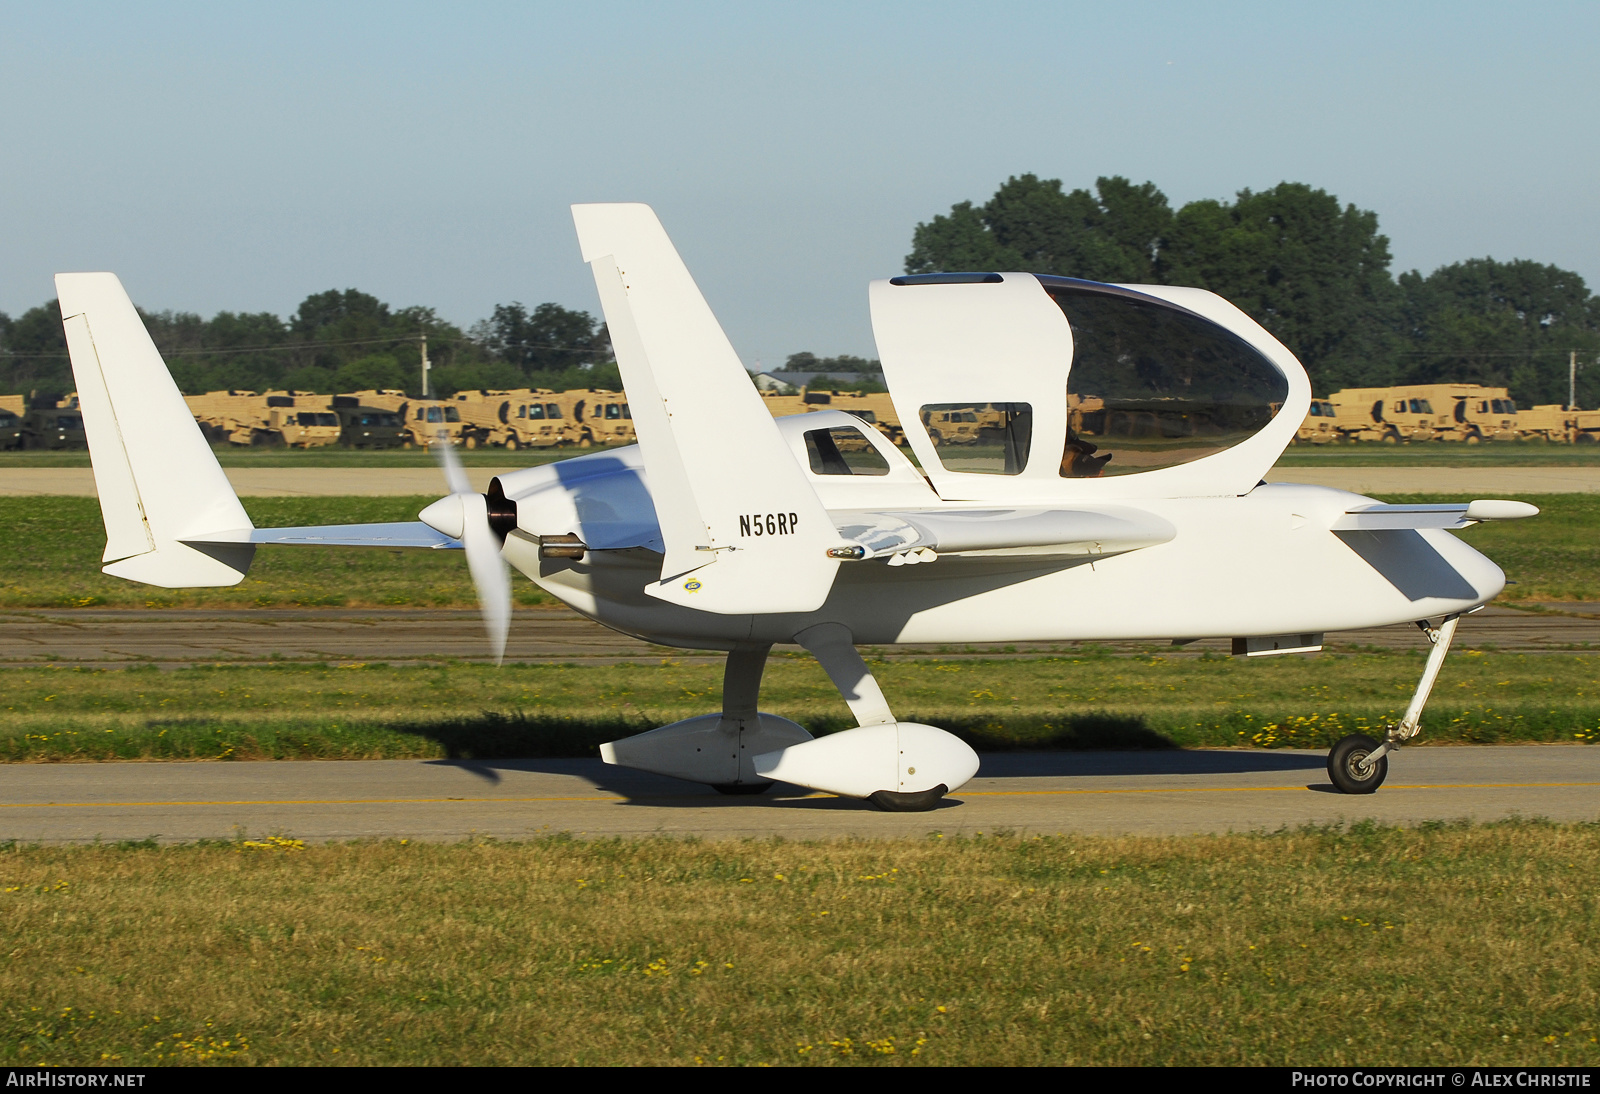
point(1087, 745)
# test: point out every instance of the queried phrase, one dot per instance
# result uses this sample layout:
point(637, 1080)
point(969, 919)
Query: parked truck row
point(512, 419)
point(586, 417)
point(1466, 413)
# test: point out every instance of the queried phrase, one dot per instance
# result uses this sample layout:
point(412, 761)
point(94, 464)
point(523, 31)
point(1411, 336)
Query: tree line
point(1310, 270)
point(339, 340)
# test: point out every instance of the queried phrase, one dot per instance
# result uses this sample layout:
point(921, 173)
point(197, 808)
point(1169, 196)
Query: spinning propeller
point(481, 522)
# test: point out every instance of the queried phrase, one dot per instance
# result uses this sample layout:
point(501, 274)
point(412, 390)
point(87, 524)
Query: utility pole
point(427, 392)
point(1572, 380)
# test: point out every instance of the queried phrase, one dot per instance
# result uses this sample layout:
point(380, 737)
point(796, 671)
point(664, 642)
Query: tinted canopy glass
point(1153, 385)
point(981, 438)
point(843, 452)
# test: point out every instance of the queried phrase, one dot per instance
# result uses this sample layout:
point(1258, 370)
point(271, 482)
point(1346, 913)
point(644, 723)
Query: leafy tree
point(548, 339)
point(338, 340)
point(1032, 224)
point(1502, 324)
point(35, 353)
point(373, 372)
point(810, 362)
point(323, 381)
point(1313, 273)
point(469, 375)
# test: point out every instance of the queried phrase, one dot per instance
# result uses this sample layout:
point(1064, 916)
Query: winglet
point(158, 480)
point(744, 531)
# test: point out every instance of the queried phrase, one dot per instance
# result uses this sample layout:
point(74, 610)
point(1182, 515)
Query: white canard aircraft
point(1091, 460)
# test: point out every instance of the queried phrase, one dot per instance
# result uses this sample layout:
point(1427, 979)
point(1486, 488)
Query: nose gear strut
point(1358, 764)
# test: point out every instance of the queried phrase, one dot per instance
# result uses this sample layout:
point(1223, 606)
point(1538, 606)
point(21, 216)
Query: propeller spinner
point(481, 522)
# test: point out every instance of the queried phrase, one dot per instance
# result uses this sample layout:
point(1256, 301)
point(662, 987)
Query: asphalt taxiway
point(174, 638)
point(1142, 793)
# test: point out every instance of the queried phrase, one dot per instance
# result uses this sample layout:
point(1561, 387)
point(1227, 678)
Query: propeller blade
point(464, 515)
point(491, 577)
point(454, 474)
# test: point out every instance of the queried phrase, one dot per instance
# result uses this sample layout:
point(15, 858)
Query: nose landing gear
point(1358, 764)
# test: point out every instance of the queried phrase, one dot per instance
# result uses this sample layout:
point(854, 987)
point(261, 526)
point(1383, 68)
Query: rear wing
point(161, 489)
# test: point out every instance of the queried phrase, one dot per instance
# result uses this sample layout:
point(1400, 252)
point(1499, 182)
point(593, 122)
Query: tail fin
point(744, 530)
point(158, 481)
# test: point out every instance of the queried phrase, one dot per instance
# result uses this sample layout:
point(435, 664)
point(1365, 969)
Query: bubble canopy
point(1154, 385)
point(1169, 391)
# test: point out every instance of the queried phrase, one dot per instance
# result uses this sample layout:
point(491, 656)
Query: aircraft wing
point(399, 534)
point(1376, 518)
point(1038, 533)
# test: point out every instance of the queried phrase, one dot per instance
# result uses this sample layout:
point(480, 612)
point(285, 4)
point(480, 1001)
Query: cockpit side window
point(1153, 385)
point(843, 452)
point(981, 438)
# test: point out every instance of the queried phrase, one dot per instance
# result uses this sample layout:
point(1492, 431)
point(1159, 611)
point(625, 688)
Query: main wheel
point(741, 788)
point(893, 801)
point(1344, 765)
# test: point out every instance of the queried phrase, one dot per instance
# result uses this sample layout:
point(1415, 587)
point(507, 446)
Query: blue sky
point(226, 156)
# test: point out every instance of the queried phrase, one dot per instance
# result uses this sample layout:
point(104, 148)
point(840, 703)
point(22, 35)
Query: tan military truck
point(954, 426)
point(1476, 413)
point(298, 419)
point(516, 418)
point(302, 419)
point(1389, 414)
point(535, 418)
point(1547, 422)
point(424, 419)
point(1472, 413)
point(599, 416)
point(1584, 427)
point(1320, 425)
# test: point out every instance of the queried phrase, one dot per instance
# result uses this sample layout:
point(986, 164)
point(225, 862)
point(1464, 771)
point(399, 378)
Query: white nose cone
point(446, 515)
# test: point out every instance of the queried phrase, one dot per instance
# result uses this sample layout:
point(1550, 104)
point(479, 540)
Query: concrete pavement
point(173, 638)
point(1144, 793)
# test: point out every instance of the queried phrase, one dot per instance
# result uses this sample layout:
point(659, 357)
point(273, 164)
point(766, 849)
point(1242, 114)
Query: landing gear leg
point(741, 689)
point(1358, 764)
point(833, 646)
point(718, 750)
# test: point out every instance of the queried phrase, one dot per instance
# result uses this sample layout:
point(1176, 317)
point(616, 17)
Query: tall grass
point(1092, 700)
point(52, 547)
point(1444, 945)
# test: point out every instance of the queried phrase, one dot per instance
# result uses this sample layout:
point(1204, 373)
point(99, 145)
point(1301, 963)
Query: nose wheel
point(1351, 768)
point(1358, 764)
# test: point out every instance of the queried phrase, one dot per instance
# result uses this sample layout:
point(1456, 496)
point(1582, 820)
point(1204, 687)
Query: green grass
point(56, 714)
point(1446, 945)
point(1549, 557)
point(53, 544)
point(327, 456)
